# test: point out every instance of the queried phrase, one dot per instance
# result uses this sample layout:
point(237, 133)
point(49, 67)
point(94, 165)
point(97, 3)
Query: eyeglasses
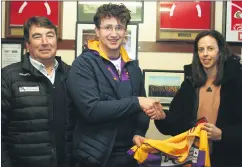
point(109, 28)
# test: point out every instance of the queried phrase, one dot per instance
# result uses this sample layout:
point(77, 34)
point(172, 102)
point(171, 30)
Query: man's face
point(111, 34)
point(42, 43)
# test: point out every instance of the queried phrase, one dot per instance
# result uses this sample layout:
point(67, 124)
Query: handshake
point(152, 108)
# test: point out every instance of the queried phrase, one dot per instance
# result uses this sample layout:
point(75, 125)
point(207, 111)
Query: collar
point(94, 45)
point(41, 67)
point(29, 67)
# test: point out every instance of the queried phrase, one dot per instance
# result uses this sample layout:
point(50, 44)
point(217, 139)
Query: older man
point(33, 102)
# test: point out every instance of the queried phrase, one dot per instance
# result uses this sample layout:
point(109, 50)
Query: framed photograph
point(183, 20)
point(233, 21)
point(85, 32)
point(12, 51)
point(86, 10)
point(162, 85)
point(17, 12)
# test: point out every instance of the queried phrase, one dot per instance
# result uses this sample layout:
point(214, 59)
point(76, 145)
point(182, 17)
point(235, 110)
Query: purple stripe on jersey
point(200, 159)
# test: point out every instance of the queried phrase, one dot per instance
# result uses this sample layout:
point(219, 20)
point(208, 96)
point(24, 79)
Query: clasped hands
point(152, 108)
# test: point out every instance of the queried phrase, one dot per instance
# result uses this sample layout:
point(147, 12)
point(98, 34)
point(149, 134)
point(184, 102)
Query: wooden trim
point(60, 20)
point(236, 48)
point(178, 47)
point(7, 19)
point(169, 46)
point(157, 21)
point(212, 21)
point(66, 44)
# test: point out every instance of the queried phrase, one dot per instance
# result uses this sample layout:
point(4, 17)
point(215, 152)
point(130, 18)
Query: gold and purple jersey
point(190, 148)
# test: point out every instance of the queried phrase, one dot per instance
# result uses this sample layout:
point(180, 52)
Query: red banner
point(236, 15)
point(20, 11)
point(185, 15)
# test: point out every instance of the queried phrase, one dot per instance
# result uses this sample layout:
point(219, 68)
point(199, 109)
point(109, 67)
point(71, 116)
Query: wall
point(147, 60)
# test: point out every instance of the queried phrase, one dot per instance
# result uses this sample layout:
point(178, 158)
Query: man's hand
point(152, 108)
point(146, 103)
point(138, 140)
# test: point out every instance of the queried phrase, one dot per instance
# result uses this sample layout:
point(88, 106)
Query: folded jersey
point(190, 147)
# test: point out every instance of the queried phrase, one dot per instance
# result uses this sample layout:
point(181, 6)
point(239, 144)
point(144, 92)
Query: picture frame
point(199, 16)
point(232, 21)
point(17, 12)
point(87, 9)
point(11, 51)
point(86, 31)
point(162, 85)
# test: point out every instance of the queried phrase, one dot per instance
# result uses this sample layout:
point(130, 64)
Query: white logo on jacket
point(26, 74)
point(29, 89)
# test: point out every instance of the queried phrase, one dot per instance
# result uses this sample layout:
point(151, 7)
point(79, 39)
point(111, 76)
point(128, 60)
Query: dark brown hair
point(199, 74)
point(38, 21)
point(120, 12)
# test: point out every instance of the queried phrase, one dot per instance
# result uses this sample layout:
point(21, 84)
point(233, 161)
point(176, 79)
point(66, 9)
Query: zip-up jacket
point(99, 109)
point(33, 133)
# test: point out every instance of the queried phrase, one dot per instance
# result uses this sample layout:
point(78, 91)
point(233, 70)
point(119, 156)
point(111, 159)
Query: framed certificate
point(233, 21)
point(87, 9)
point(182, 21)
point(17, 12)
point(85, 32)
point(12, 51)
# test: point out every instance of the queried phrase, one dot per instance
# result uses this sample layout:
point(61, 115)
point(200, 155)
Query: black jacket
point(27, 116)
point(99, 108)
point(183, 113)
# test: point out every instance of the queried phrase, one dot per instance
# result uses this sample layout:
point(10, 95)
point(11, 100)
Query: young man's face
point(42, 43)
point(111, 34)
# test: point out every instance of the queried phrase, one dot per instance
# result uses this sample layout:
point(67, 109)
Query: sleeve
point(231, 134)
point(142, 119)
point(177, 120)
point(6, 108)
point(83, 88)
point(69, 128)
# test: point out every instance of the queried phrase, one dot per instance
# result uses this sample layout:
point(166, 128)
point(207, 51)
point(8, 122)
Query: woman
point(213, 89)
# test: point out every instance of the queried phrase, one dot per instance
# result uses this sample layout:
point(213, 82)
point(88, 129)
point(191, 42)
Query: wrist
point(140, 100)
point(220, 136)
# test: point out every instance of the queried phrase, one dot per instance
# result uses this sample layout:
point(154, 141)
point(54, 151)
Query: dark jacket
point(183, 113)
point(99, 108)
point(28, 117)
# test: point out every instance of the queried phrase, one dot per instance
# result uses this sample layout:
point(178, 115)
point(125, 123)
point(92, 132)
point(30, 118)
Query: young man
point(109, 97)
point(33, 102)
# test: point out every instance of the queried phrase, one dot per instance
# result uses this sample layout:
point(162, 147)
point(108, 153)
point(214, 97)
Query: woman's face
point(208, 52)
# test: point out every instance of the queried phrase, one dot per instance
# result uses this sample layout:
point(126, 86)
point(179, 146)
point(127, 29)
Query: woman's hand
point(214, 133)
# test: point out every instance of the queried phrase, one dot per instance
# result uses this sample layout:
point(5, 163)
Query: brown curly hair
point(120, 12)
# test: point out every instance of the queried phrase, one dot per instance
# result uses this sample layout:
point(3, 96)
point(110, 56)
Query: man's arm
point(83, 89)
point(142, 119)
point(6, 107)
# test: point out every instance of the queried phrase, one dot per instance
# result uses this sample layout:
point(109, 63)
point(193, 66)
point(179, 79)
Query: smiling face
point(111, 34)
point(42, 43)
point(208, 52)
